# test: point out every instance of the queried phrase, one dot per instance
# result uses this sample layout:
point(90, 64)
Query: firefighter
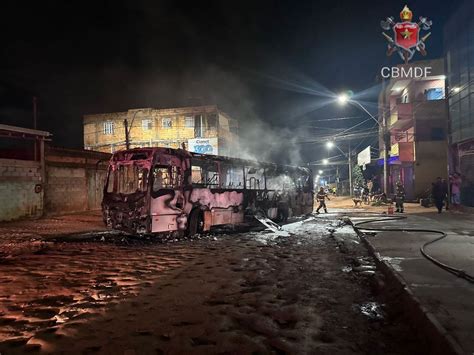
point(399, 197)
point(322, 196)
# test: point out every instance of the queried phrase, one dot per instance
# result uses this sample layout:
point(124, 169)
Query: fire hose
point(453, 270)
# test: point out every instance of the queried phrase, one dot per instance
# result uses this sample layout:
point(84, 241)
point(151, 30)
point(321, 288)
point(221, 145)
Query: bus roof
point(147, 153)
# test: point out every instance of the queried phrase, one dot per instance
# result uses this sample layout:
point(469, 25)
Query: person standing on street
point(439, 192)
point(322, 196)
point(399, 197)
point(456, 191)
point(445, 187)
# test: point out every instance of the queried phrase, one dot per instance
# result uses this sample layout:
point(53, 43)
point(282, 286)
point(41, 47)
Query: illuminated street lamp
point(320, 172)
point(329, 144)
point(325, 161)
point(342, 99)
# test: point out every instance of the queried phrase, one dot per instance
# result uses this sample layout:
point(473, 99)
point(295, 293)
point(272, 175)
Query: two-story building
point(202, 129)
point(459, 46)
point(415, 112)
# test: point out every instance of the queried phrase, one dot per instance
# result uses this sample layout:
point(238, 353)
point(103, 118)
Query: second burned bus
point(164, 190)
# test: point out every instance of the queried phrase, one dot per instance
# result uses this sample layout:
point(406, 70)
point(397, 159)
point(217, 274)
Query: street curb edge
point(441, 342)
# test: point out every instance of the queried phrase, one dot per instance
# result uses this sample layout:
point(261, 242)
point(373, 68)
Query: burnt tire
point(195, 222)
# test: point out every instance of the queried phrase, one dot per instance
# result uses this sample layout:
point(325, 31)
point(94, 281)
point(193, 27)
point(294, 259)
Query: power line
point(333, 119)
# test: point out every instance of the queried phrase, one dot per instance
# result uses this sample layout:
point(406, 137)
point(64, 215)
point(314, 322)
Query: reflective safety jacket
point(321, 196)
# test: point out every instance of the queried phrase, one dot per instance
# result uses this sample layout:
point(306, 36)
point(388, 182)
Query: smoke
point(261, 141)
point(143, 65)
point(260, 138)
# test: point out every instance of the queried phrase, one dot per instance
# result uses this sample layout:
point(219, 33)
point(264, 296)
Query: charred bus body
point(163, 190)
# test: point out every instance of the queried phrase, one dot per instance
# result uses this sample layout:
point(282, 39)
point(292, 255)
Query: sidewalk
point(19, 237)
point(445, 302)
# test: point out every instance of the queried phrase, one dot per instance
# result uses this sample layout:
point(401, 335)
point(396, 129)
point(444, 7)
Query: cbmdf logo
point(406, 38)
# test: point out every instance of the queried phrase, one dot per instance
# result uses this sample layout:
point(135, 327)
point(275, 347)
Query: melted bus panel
point(155, 190)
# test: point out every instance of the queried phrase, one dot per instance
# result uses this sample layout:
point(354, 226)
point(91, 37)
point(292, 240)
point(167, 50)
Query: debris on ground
point(373, 310)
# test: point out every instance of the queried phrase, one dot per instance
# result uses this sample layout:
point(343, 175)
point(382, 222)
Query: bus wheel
point(195, 223)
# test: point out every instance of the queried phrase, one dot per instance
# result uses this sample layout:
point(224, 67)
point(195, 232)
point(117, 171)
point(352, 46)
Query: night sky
point(271, 61)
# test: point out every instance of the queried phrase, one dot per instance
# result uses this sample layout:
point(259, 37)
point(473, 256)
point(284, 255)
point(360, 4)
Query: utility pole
point(385, 144)
point(350, 169)
point(127, 138)
point(35, 149)
point(383, 130)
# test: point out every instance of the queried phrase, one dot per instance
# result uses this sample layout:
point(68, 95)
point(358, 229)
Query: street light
point(320, 172)
point(349, 161)
point(342, 99)
point(325, 161)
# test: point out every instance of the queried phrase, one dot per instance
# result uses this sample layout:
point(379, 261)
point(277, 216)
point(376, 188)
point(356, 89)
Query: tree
point(357, 176)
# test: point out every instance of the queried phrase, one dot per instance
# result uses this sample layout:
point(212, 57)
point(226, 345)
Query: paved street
point(315, 291)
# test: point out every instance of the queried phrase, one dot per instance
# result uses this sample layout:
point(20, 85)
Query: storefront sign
point(203, 145)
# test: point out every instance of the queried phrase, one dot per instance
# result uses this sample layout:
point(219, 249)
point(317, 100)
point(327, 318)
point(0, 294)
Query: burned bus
point(164, 190)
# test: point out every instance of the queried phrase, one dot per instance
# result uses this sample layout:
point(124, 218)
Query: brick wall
point(17, 189)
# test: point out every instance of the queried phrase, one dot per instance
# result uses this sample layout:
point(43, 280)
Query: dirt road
point(224, 293)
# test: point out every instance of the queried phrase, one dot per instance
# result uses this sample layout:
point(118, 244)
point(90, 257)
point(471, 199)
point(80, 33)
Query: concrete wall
point(17, 189)
point(74, 181)
point(431, 162)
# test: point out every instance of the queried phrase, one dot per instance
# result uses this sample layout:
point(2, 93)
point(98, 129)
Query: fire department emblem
point(406, 38)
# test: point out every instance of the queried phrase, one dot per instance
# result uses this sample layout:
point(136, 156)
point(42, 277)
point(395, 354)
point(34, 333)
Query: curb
point(440, 342)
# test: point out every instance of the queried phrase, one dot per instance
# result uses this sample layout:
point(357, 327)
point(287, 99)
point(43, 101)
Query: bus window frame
point(203, 163)
point(115, 175)
point(176, 182)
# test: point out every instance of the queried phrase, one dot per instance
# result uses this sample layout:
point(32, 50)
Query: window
point(167, 122)
point(198, 129)
point(434, 94)
point(108, 127)
point(232, 177)
point(166, 177)
point(131, 179)
point(255, 178)
point(302, 181)
point(147, 124)
point(279, 180)
point(212, 120)
point(189, 122)
point(204, 173)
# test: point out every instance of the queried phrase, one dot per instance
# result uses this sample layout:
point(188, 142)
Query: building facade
point(415, 112)
point(459, 46)
point(202, 129)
